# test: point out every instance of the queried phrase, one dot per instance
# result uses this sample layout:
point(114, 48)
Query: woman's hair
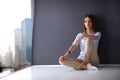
point(94, 26)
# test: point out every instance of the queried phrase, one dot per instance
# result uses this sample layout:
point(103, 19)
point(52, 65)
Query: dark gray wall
point(57, 22)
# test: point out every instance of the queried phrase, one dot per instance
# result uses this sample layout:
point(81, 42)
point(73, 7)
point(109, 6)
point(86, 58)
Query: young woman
point(88, 41)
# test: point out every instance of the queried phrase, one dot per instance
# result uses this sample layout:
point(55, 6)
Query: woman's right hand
point(62, 58)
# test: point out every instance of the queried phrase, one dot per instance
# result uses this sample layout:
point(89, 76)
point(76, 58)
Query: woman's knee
point(89, 43)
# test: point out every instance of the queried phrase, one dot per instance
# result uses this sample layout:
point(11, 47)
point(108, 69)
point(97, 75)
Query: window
point(15, 33)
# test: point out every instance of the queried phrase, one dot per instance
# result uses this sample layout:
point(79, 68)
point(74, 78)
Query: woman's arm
point(71, 49)
point(68, 52)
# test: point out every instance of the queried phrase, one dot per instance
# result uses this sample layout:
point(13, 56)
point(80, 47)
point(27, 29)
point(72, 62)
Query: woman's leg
point(74, 63)
point(90, 56)
point(91, 53)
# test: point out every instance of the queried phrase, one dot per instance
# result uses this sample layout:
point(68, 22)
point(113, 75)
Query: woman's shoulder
point(80, 34)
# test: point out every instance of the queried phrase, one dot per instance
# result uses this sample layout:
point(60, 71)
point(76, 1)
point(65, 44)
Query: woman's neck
point(89, 31)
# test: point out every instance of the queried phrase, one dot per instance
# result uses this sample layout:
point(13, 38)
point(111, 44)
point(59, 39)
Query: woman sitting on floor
point(88, 41)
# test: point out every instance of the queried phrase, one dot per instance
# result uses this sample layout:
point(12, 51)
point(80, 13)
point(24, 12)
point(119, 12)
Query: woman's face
point(88, 23)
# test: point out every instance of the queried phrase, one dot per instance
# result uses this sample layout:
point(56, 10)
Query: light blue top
point(82, 43)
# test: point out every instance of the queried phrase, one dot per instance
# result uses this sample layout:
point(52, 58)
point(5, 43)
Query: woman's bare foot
point(90, 67)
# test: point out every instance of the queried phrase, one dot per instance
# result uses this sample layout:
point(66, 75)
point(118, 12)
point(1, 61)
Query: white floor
point(59, 72)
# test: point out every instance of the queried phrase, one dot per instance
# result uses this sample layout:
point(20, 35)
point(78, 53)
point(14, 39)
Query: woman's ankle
point(85, 62)
point(83, 66)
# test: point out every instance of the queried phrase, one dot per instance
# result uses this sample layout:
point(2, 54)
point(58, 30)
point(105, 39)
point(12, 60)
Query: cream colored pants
point(91, 56)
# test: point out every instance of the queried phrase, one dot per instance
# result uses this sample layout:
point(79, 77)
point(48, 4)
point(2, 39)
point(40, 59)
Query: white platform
point(59, 72)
